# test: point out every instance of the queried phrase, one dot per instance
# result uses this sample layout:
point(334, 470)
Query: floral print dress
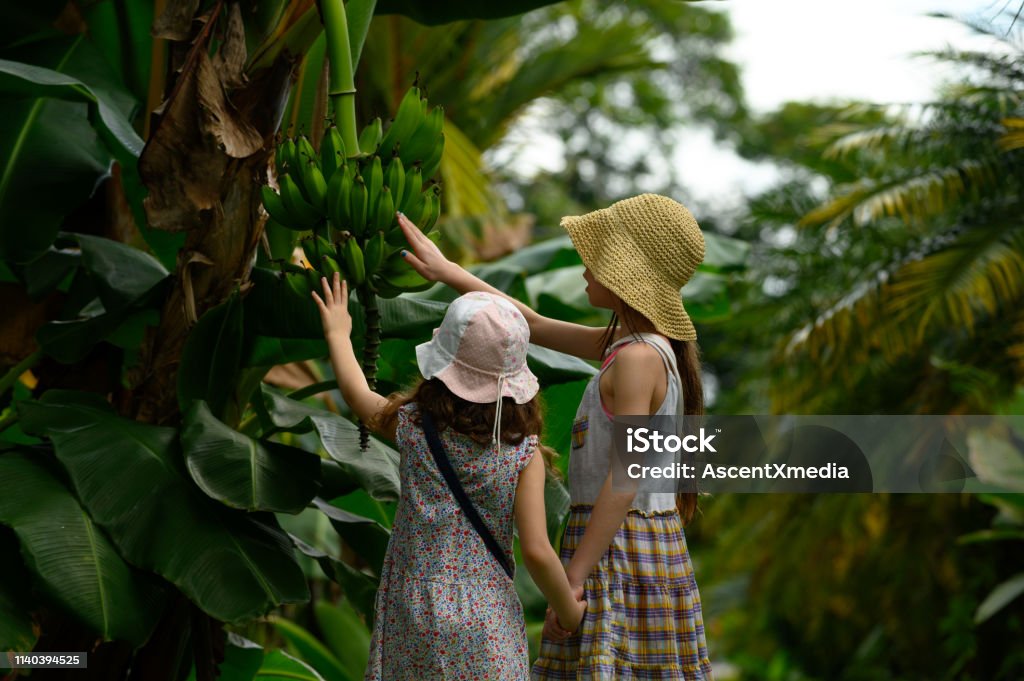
point(445, 608)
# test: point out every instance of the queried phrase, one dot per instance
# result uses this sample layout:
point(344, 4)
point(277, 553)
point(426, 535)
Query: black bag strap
point(445, 466)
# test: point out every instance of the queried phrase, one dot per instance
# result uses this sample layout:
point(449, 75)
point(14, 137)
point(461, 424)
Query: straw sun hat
point(643, 249)
point(479, 352)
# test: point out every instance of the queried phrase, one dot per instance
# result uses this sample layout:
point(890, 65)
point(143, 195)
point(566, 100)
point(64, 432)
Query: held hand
point(552, 629)
point(426, 258)
point(577, 617)
point(334, 307)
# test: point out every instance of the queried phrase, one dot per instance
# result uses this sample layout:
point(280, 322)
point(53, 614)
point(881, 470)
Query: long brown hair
point(473, 419)
point(688, 361)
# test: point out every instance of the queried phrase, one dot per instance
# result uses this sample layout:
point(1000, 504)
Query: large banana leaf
point(129, 476)
point(122, 274)
point(376, 469)
point(53, 151)
point(367, 536)
point(358, 587)
point(245, 473)
point(72, 557)
point(212, 357)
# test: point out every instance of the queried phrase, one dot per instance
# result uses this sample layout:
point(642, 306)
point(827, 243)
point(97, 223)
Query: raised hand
point(334, 307)
point(426, 258)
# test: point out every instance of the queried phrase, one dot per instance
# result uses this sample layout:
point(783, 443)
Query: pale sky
point(818, 50)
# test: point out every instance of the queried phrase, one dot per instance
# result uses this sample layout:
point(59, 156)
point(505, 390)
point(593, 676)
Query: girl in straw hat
point(446, 607)
point(624, 551)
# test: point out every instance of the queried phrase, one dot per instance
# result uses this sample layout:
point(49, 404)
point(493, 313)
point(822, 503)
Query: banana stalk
point(371, 350)
point(342, 86)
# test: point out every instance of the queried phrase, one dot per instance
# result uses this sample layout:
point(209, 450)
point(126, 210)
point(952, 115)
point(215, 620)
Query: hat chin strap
point(496, 433)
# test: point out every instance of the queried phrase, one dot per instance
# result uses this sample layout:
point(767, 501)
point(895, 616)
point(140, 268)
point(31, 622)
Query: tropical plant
point(927, 241)
point(144, 467)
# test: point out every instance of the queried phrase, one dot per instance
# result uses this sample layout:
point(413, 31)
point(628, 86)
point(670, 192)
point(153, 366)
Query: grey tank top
point(592, 431)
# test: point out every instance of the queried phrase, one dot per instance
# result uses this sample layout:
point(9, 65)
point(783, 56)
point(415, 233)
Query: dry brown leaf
point(176, 20)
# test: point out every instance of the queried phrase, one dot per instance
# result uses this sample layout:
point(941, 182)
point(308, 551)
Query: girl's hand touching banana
point(426, 258)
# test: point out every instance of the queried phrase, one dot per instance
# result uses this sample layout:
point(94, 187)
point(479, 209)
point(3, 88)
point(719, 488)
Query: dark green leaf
point(123, 273)
point(72, 557)
point(29, 81)
point(211, 358)
point(242, 659)
point(48, 271)
point(358, 587)
point(130, 478)
point(376, 469)
point(245, 473)
point(368, 537)
point(273, 308)
point(270, 351)
point(51, 155)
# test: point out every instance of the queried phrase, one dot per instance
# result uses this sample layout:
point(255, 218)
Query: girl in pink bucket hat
point(624, 551)
point(468, 436)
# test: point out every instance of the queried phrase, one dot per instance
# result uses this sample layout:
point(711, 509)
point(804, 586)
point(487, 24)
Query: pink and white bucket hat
point(479, 352)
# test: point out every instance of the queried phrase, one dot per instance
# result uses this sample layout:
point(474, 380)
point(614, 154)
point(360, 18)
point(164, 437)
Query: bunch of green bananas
point(348, 198)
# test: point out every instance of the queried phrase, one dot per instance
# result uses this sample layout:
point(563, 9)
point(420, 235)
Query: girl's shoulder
point(405, 430)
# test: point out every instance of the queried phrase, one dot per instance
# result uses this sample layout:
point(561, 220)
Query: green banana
point(315, 185)
point(329, 266)
point(300, 284)
point(422, 142)
point(407, 119)
point(339, 190)
point(431, 209)
point(384, 214)
point(370, 136)
point(395, 179)
point(310, 177)
point(309, 250)
point(415, 210)
point(352, 256)
point(358, 201)
point(286, 155)
point(332, 152)
point(399, 274)
point(433, 163)
point(373, 255)
point(384, 289)
point(374, 177)
point(301, 214)
point(411, 192)
point(275, 207)
point(305, 149)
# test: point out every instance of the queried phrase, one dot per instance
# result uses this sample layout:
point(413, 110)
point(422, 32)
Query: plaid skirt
point(643, 618)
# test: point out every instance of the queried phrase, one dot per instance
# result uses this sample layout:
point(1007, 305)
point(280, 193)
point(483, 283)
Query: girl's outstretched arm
point(539, 557)
point(337, 322)
point(635, 375)
point(427, 259)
